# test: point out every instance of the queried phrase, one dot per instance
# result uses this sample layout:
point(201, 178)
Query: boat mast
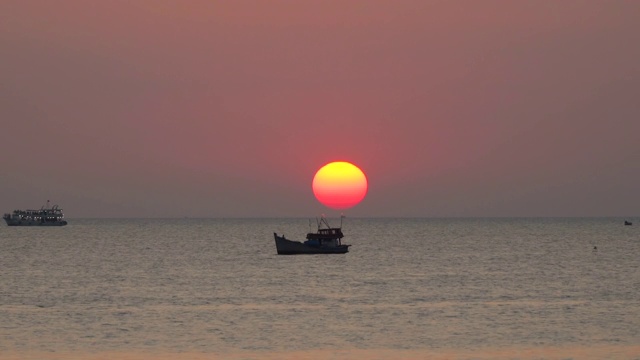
point(323, 220)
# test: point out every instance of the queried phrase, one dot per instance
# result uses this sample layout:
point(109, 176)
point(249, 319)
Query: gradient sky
point(228, 108)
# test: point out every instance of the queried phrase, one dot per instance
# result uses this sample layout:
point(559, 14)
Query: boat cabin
point(326, 236)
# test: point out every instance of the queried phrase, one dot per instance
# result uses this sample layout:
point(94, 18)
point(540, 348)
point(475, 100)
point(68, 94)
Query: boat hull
point(288, 247)
point(23, 222)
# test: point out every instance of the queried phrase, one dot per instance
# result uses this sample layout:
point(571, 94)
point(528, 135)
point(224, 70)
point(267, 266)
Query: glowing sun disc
point(340, 185)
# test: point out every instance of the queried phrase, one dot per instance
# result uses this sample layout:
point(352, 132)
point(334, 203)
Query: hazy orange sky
point(228, 108)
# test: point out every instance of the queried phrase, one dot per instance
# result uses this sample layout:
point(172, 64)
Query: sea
point(409, 288)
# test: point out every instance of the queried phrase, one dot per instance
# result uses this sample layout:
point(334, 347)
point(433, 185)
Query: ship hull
point(288, 247)
point(12, 222)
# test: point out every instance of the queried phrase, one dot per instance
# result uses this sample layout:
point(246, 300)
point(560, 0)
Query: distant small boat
point(45, 216)
point(326, 240)
point(628, 222)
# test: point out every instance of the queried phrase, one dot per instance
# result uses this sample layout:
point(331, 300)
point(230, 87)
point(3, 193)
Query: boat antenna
point(323, 220)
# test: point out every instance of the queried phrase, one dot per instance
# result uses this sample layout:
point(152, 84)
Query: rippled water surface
point(409, 288)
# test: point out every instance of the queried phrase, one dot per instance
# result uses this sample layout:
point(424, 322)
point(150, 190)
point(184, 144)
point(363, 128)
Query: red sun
point(340, 185)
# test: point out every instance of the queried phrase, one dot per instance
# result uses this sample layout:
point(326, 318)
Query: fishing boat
point(326, 240)
point(628, 223)
point(46, 216)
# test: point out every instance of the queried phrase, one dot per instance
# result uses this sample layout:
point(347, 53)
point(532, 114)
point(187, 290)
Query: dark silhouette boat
point(45, 216)
point(629, 223)
point(326, 240)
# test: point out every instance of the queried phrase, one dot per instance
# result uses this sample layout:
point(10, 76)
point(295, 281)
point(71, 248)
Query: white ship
point(46, 216)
